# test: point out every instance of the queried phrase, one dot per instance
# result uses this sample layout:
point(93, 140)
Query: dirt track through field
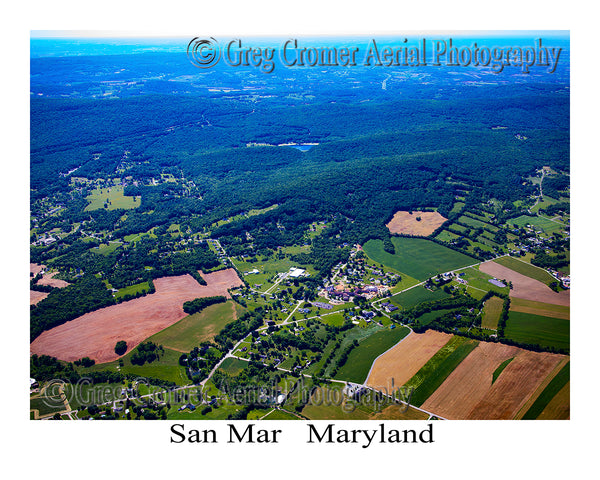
point(407, 223)
point(526, 287)
point(401, 362)
point(95, 334)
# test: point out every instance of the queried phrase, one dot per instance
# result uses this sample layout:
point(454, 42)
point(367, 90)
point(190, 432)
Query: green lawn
point(280, 415)
point(166, 368)
point(133, 289)
point(478, 279)
point(362, 357)
point(417, 257)
point(233, 366)
point(538, 222)
point(194, 329)
point(526, 269)
point(446, 236)
point(537, 329)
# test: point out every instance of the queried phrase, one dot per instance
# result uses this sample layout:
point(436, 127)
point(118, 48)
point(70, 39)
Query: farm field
point(491, 312)
point(36, 297)
point(439, 367)
point(525, 287)
point(481, 280)
point(537, 329)
point(417, 257)
point(417, 295)
point(194, 329)
point(474, 375)
point(526, 269)
point(95, 334)
point(468, 392)
point(115, 197)
point(407, 223)
point(399, 364)
point(356, 368)
point(539, 308)
point(48, 279)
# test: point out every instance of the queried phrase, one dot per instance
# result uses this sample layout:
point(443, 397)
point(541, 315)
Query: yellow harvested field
point(407, 223)
point(538, 308)
point(399, 364)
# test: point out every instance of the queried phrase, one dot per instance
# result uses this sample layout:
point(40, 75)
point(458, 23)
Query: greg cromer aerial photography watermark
point(140, 393)
point(207, 52)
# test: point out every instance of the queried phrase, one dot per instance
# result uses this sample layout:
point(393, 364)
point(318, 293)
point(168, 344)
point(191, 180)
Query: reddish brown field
point(36, 297)
point(401, 362)
point(48, 279)
point(95, 334)
point(525, 287)
point(405, 222)
point(468, 392)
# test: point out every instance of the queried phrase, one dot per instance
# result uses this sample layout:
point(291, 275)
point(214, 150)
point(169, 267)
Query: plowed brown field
point(53, 282)
point(407, 223)
point(468, 392)
point(95, 334)
point(35, 296)
point(401, 362)
point(525, 287)
point(35, 268)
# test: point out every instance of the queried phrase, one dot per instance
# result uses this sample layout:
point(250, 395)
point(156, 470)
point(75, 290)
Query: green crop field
point(362, 357)
point(457, 207)
point(112, 197)
point(417, 257)
point(194, 329)
point(472, 222)
point(436, 370)
point(526, 269)
point(491, 312)
point(555, 385)
point(417, 295)
point(537, 329)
